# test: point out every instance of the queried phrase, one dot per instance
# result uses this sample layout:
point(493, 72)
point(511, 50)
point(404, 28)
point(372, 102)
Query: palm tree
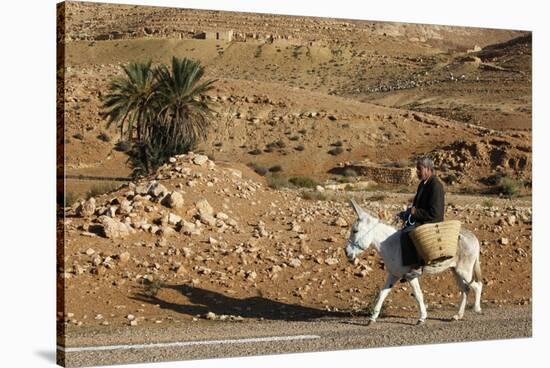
point(182, 112)
point(163, 106)
point(146, 156)
point(131, 100)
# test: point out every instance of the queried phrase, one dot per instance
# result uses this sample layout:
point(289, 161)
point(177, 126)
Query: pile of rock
point(142, 207)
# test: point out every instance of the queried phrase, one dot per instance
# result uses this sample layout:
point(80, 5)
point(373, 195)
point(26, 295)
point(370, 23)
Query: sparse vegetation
point(313, 195)
point(509, 187)
point(488, 203)
point(296, 51)
point(450, 179)
point(78, 136)
point(343, 179)
point(336, 151)
point(258, 169)
point(350, 173)
point(123, 146)
point(401, 163)
point(303, 182)
point(104, 137)
point(99, 189)
point(275, 168)
point(151, 288)
point(277, 181)
point(277, 144)
point(300, 148)
point(258, 52)
point(468, 189)
point(378, 197)
point(69, 199)
point(255, 151)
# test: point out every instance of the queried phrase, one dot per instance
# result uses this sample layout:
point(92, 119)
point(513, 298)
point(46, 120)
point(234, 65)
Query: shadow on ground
point(203, 301)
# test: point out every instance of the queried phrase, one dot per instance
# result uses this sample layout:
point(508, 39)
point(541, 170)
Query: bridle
point(355, 243)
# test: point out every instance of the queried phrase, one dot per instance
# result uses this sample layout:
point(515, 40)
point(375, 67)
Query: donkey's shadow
point(203, 301)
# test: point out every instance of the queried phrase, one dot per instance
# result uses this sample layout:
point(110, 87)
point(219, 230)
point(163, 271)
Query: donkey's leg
point(464, 289)
point(417, 292)
point(477, 286)
point(390, 281)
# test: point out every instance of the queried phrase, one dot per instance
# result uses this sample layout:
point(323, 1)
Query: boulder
point(125, 207)
point(187, 227)
point(222, 216)
point(206, 212)
point(295, 262)
point(113, 229)
point(340, 222)
point(86, 208)
point(200, 160)
point(123, 258)
point(156, 189)
point(167, 230)
point(141, 189)
point(235, 172)
point(173, 219)
point(204, 207)
point(173, 200)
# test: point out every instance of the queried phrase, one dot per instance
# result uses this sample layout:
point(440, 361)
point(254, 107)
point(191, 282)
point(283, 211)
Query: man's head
point(424, 167)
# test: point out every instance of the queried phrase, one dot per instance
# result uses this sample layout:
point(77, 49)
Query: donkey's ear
point(358, 210)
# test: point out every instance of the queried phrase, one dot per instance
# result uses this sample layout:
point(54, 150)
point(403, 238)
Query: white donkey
point(385, 239)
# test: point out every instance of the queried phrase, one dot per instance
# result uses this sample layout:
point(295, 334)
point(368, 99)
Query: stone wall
point(387, 175)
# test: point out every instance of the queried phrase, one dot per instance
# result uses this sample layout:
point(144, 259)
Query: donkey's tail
point(477, 270)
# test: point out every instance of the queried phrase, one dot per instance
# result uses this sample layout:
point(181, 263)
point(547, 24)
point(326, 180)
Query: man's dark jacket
point(429, 201)
point(430, 207)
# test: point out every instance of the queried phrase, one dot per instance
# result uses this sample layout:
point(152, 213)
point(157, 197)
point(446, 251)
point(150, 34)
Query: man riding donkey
point(442, 244)
point(428, 207)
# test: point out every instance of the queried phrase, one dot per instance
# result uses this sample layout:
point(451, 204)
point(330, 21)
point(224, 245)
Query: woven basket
point(436, 242)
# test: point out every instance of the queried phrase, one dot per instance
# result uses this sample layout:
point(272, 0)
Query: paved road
point(207, 339)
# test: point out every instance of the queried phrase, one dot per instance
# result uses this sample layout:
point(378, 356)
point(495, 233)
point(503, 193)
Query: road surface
point(212, 339)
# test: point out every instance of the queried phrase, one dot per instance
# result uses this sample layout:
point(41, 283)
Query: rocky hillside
point(205, 240)
point(96, 21)
point(262, 124)
point(311, 97)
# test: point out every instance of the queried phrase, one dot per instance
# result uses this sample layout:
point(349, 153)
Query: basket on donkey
point(436, 242)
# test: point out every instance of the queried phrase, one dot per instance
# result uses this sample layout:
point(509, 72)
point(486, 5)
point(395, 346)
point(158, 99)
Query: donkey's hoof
point(371, 322)
point(457, 317)
point(478, 311)
point(420, 322)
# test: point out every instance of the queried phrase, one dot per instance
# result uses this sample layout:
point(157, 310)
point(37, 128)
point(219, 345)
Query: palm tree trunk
point(139, 126)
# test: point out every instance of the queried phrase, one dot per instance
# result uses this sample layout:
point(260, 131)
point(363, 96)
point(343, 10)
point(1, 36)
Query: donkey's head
point(361, 232)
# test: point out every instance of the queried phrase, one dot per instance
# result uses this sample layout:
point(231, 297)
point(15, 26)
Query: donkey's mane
point(384, 222)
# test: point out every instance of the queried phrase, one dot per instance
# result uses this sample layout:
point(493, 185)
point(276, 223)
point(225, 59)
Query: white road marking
point(186, 343)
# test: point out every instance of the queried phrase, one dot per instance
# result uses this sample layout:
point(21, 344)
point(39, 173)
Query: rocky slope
point(174, 246)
